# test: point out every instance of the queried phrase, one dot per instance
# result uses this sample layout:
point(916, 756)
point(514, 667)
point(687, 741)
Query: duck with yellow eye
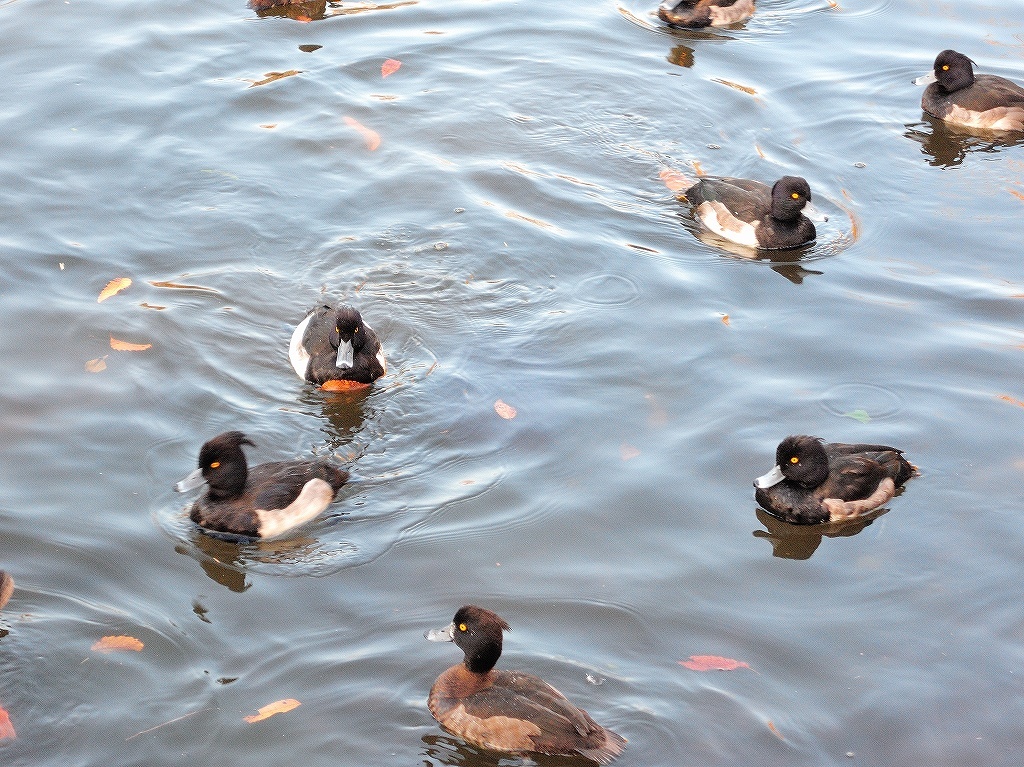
point(335, 349)
point(508, 711)
point(263, 501)
point(958, 96)
point(705, 13)
point(816, 481)
point(752, 213)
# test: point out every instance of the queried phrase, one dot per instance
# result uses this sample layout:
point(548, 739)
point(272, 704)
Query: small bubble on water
point(860, 165)
point(440, 246)
point(714, 146)
point(595, 680)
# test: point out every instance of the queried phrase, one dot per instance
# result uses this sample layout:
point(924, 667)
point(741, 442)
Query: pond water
point(509, 238)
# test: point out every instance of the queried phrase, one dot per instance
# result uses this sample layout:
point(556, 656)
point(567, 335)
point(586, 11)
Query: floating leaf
point(389, 67)
point(113, 288)
point(124, 346)
point(6, 728)
point(725, 319)
point(737, 86)
point(712, 663)
point(179, 286)
point(344, 385)
point(1011, 400)
point(505, 410)
point(272, 76)
point(277, 707)
point(1015, 193)
point(858, 415)
point(697, 169)
point(759, 151)
point(112, 643)
point(370, 137)
point(628, 452)
point(97, 365)
point(674, 180)
point(775, 732)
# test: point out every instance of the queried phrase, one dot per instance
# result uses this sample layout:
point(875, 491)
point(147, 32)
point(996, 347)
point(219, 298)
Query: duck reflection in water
point(300, 10)
point(226, 559)
point(801, 541)
point(946, 146)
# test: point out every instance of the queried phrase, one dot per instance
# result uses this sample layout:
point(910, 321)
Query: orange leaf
point(1011, 400)
point(505, 410)
point(725, 319)
point(674, 180)
point(697, 169)
point(111, 643)
point(389, 67)
point(97, 365)
point(277, 707)
point(628, 452)
point(775, 732)
point(737, 86)
point(344, 385)
point(371, 137)
point(6, 728)
point(124, 346)
point(712, 663)
point(113, 288)
point(1016, 194)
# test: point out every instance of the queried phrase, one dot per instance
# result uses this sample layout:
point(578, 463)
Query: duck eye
point(794, 459)
point(215, 465)
point(795, 195)
point(356, 330)
point(462, 627)
point(945, 67)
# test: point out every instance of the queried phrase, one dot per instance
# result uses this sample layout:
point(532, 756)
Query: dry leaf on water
point(674, 180)
point(272, 76)
point(277, 707)
point(389, 67)
point(6, 728)
point(124, 346)
point(113, 288)
point(505, 410)
point(725, 319)
point(111, 643)
point(737, 86)
point(712, 663)
point(1011, 400)
point(97, 365)
point(370, 137)
point(775, 732)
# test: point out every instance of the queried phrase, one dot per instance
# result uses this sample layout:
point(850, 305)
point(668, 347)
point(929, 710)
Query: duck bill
point(447, 634)
point(773, 477)
point(814, 214)
point(925, 79)
point(192, 481)
point(345, 355)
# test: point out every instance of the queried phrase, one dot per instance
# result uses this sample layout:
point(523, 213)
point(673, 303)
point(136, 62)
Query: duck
point(705, 13)
point(509, 711)
point(336, 345)
point(264, 501)
point(6, 587)
point(815, 481)
point(958, 96)
point(752, 213)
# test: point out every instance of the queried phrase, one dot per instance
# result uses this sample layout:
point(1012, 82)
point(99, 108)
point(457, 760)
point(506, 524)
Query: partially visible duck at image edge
point(816, 481)
point(958, 96)
point(705, 13)
point(753, 214)
point(508, 711)
point(6, 587)
point(336, 345)
point(263, 501)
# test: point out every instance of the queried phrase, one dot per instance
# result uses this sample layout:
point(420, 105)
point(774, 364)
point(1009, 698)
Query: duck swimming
point(336, 345)
point(6, 587)
point(705, 13)
point(508, 710)
point(754, 214)
point(260, 502)
point(957, 95)
point(816, 481)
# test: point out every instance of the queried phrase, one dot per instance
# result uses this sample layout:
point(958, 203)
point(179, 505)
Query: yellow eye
point(945, 67)
point(462, 627)
point(795, 195)
point(215, 465)
point(794, 459)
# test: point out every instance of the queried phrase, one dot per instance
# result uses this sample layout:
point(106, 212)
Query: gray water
point(509, 239)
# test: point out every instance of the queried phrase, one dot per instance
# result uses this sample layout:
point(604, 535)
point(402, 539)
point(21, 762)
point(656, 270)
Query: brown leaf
point(370, 137)
point(111, 643)
point(6, 728)
point(737, 86)
point(277, 707)
point(725, 319)
point(674, 180)
point(113, 288)
point(712, 663)
point(344, 385)
point(389, 67)
point(97, 365)
point(628, 452)
point(124, 346)
point(505, 410)
point(271, 76)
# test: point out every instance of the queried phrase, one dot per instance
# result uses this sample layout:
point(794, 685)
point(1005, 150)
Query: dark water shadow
point(315, 10)
point(947, 146)
point(444, 749)
point(791, 541)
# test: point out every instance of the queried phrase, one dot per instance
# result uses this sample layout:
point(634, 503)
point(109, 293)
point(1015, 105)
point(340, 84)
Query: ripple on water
point(862, 402)
point(607, 290)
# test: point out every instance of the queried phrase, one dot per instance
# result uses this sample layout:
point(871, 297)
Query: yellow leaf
point(370, 137)
point(124, 346)
point(505, 410)
point(97, 365)
point(277, 707)
point(113, 288)
point(111, 643)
